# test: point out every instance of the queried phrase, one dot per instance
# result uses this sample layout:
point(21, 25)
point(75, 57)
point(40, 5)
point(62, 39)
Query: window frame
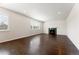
point(5, 15)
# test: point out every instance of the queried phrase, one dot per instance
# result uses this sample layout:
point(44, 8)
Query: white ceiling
point(42, 11)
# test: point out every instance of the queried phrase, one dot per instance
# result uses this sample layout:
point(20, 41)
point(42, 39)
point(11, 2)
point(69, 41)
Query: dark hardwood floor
point(42, 44)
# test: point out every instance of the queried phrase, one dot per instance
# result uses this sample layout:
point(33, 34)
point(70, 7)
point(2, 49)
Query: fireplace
point(53, 31)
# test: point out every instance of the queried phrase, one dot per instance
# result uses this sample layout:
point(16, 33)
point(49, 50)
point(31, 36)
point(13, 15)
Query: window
point(3, 22)
point(35, 25)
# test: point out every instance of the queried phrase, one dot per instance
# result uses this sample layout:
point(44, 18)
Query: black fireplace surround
point(53, 31)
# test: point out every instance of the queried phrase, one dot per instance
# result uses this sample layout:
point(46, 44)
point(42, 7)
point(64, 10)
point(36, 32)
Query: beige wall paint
point(73, 25)
point(19, 26)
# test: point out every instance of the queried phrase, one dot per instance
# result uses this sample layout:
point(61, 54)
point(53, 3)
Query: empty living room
point(39, 29)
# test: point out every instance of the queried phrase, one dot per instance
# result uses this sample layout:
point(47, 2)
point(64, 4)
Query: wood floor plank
point(41, 44)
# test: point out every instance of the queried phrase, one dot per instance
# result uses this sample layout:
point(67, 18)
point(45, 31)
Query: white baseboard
point(1, 41)
point(74, 42)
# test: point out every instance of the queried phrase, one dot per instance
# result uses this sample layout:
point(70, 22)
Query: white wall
point(59, 24)
point(73, 25)
point(19, 27)
point(36, 23)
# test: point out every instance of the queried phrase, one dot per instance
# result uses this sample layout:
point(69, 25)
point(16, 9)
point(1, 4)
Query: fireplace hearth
point(53, 31)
